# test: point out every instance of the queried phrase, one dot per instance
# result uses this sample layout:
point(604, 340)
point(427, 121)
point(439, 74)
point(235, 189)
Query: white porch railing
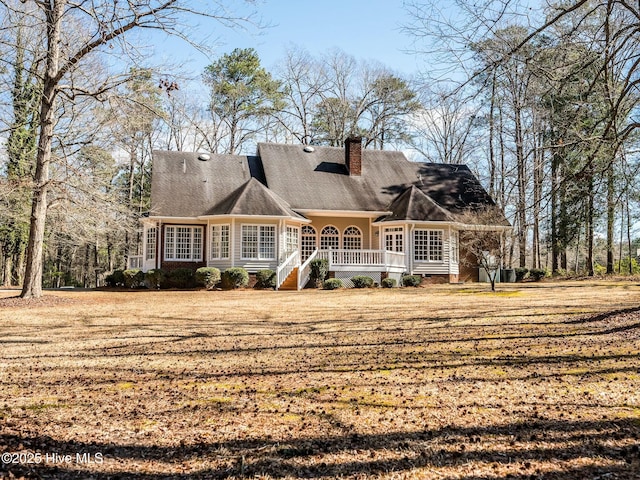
point(286, 268)
point(304, 272)
point(135, 262)
point(361, 258)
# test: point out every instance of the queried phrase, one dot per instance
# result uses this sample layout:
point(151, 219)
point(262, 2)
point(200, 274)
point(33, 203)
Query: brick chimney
point(353, 155)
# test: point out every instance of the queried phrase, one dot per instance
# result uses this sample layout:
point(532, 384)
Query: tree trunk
point(32, 286)
point(611, 211)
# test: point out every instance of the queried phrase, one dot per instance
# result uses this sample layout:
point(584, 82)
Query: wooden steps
point(291, 282)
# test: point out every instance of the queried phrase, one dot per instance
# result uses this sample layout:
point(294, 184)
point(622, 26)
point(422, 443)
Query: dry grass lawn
point(535, 381)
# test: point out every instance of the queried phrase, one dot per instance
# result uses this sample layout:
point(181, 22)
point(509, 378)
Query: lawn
point(535, 381)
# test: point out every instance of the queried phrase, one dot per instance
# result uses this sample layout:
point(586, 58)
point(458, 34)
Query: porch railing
point(285, 268)
point(304, 272)
point(343, 257)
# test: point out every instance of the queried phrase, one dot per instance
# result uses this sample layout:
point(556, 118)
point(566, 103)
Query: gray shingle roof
point(253, 198)
point(184, 186)
point(414, 204)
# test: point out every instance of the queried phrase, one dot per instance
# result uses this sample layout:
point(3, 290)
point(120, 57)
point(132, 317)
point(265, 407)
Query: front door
point(394, 239)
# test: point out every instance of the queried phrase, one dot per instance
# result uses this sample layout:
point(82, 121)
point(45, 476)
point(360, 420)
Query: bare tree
point(76, 33)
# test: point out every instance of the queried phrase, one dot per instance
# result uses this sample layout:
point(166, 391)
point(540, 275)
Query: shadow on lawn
point(514, 446)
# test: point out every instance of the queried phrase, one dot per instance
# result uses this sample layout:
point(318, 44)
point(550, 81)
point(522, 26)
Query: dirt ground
point(536, 381)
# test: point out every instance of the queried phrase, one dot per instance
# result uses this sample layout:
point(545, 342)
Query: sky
point(365, 29)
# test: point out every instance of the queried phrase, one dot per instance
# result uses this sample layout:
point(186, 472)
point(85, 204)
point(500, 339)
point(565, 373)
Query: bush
point(155, 278)
point(599, 269)
point(332, 284)
point(207, 277)
point(235, 277)
point(521, 272)
point(411, 281)
point(361, 281)
point(537, 274)
point(133, 278)
point(266, 279)
point(389, 283)
point(319, 269)
point(115, 279)
point(180, 278)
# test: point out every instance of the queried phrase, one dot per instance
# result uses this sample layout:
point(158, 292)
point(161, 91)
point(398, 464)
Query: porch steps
point(291, 282)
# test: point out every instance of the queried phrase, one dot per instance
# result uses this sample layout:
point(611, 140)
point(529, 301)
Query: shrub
point(180, 278)
point(599, 269)
point(155, 278)
point(361, 281)
point(537, 274)
point(319, 269)
point(389, 283)
point(115, 279)
point(411, 281)
point(133, 278)
point(521, 272)
point(207, 277)
point(235, 277)
point(332, 284)
point(266, 279)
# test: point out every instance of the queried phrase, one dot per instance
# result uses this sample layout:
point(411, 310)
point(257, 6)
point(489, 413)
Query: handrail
point(304, 272)
point(286, 268)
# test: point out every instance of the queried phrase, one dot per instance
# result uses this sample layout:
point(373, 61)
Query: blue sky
point(366, 29)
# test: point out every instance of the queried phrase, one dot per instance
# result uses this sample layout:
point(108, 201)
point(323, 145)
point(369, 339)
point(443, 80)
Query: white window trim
point(427, 245)
point(259, 240)
point(213, 239)
point(346, 238)
point(192, 229)
point(454, 246)
point(338, 236)
point(150, 253)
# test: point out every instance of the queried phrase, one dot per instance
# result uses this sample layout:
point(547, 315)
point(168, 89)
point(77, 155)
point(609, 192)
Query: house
point(367, 212)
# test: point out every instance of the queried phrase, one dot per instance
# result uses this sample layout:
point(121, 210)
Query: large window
point(329, 238)
point(219, 242)
point(183, 243)
point(258, 242)
point(427, 245)
point(352, 239)
point(309, 239)
point(151, 244)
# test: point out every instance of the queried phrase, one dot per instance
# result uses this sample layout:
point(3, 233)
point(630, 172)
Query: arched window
point(329, 238)
point(309, 241)
point(352, 239)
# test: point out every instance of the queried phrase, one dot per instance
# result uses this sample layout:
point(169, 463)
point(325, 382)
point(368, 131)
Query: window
point(183, 243)
point(259, 242)
point(329, 238)
point(308, 244)
point(151, 244)
point(454, 247)
point(394, 239)
point(219, 242)
point(427, 245)
point(291, 240)
point(352, 239)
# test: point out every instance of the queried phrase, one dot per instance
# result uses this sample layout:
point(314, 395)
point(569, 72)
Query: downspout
point(159, 245)
point(410, 249)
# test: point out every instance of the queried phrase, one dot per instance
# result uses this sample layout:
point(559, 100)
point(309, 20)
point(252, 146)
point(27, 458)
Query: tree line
point(543, 110)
